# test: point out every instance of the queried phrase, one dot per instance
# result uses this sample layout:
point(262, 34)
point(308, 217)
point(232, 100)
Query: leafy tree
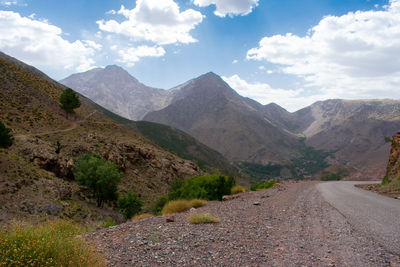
point(102, 177)
point(6, 138)
point(69, 100)
point(129, 205)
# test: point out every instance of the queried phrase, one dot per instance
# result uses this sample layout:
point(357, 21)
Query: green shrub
point(6, 138)
point(331, 177)
point(129, 205)
point(159, 204)
point(237, 189)
point(109, 222)
point(101, 177)
point(265, 185)
point(203, 218)
point(49, 244)
point(211, 187)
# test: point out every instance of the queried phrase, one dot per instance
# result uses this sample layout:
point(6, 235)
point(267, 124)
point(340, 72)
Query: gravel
point(291, 226)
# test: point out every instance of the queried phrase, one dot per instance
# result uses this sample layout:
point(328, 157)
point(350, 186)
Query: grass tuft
point(237, 189)
point(203, 218)
point(182, 205)
point(176, 206)
point(142, 216)
point(51, 244)
point(197, 203)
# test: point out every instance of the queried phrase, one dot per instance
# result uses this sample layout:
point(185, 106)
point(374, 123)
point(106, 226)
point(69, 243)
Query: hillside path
point(73, 126)
point(383, 213)
point(293, 225)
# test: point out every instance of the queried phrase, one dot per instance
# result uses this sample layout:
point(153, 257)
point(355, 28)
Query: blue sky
point(291, 52)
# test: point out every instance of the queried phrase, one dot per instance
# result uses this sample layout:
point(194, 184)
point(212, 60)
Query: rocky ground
point(386, 191)
point(291, 225)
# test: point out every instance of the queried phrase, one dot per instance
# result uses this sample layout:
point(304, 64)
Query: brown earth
point(288, 225)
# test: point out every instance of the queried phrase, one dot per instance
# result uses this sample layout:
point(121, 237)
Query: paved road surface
point(375, 215)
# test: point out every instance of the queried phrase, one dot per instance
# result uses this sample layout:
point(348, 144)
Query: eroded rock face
point(393, 167)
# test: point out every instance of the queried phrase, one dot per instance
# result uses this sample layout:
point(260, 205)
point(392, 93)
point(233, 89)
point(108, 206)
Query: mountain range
point(351, 132)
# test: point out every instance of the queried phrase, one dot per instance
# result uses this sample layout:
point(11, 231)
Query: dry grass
point(203, 218)
point(50, 244)
point(237, 189)
point(142, 216)
point(176, 206)
point(197, 203)
point(182, 205)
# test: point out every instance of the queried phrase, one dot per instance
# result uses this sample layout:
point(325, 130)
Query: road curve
point(376, 215)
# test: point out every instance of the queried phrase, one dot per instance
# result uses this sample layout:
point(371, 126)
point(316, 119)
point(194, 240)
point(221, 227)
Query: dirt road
point(292, 226)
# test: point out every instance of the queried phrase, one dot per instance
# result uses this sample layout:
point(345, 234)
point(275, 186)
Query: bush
point(176, 206)
point(69, 100)
point(265, 185)
point(129, 205)
point(142, 216)
point(6, 138)
point(331, 177)
point(197, 203)
point(101, 177)
point(109, 222)
point(212, 187)
point(203, 218)
point(50, 244)
point(159, 204)
point(237, 189)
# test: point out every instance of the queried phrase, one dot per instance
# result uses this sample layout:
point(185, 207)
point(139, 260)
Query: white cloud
point(133, 54)
point(261, 67)
point(160, 22)
point(229, 7)
point(292, 100)
point(235, 61)
point(40, 44)
point(351, 56)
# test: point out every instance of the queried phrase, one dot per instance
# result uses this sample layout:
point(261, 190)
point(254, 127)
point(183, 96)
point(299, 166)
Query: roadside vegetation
point(262, 186)
point(331, 177)
point(182, 205)
point(196, 188)
point(50, 244)
point(203, 218)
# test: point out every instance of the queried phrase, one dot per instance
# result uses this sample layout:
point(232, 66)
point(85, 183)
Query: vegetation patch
point(203, 218)
point(262, 186)
point(176, 206)
point(141, 216)
point(49, 244)
point(109, 222)
point(209, 187)
point(197, 203)
point(237, 189)
point(331, 177)
point(129, 205)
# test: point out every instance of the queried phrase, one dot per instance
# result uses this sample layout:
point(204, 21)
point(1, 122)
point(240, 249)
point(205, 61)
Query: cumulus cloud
point(351, 56)
point(229, 7)
point(133, 54)
point(160, 22)
point(292, 100)
point(235, 61)
point(40, 44)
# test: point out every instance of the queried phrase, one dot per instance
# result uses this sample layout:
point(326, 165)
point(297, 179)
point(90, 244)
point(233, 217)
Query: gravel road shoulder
point(292, 226)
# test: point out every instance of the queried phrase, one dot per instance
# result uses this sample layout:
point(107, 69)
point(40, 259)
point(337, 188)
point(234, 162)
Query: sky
point(290, 52)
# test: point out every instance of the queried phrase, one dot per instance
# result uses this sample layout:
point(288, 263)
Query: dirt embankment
point(291, 226)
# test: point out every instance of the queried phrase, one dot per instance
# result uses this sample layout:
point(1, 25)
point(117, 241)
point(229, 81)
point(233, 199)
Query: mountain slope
point(208, 109)
point(36, 180)
point(116, 90)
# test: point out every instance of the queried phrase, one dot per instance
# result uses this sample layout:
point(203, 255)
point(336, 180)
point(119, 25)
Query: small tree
point(69, 101)
point(129, 205)
point(101, 177)
point(6, 138)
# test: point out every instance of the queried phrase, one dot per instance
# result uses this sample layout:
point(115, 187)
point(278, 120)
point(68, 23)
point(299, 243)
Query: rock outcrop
point(393, 168)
